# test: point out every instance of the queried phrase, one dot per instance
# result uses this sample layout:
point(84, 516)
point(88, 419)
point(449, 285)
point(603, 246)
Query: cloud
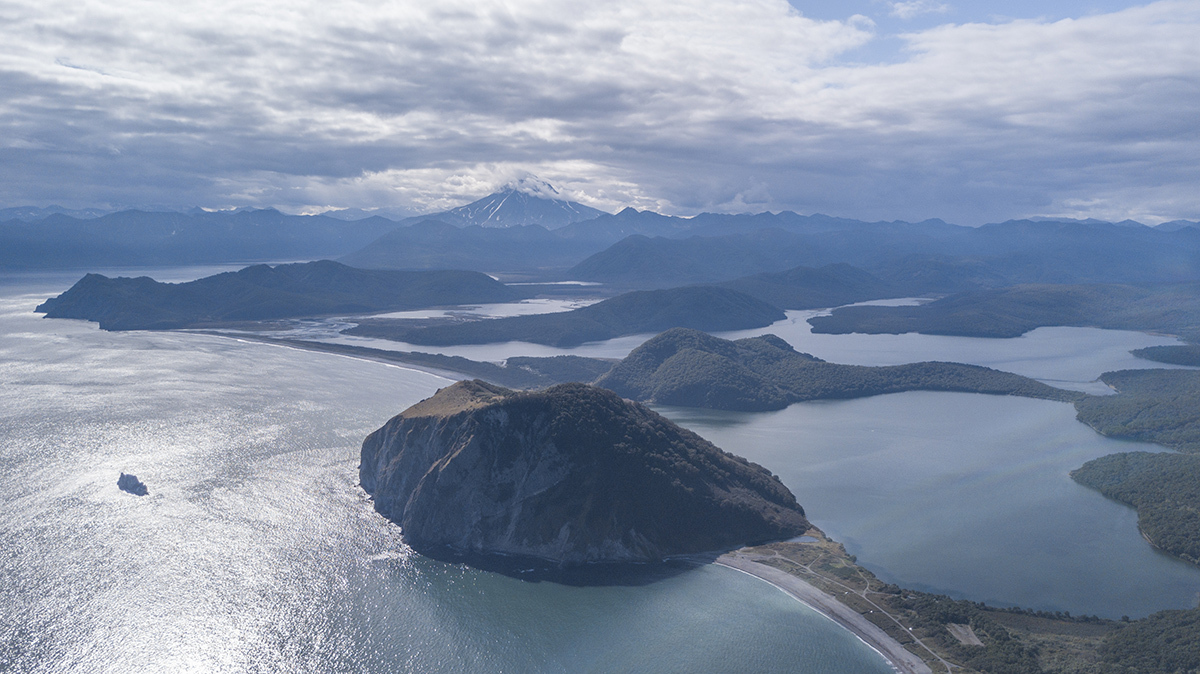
point(914, 8)
point(681, 107)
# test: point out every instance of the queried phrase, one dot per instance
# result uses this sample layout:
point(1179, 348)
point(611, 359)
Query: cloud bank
point(680, 107)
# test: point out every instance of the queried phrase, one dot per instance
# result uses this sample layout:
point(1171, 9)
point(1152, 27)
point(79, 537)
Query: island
point(130, 484)
point(815, 288)
point(569, 475)
point(262, 292)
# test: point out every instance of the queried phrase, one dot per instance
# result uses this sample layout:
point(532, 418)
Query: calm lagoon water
point(963, 494)
point(1071, 358)
point(256, 551)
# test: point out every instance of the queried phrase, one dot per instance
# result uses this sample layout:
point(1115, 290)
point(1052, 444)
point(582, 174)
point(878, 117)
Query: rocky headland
point(572, 474)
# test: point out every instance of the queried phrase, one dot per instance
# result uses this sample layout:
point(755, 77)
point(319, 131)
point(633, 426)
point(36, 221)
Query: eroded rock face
point(570, 474)
point(130, 483)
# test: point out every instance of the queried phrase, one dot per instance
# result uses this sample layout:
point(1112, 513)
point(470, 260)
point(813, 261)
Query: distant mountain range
point(527, 230)
point(1176, 225)
point(32, 213)
point(138, 238)
point(926, 257)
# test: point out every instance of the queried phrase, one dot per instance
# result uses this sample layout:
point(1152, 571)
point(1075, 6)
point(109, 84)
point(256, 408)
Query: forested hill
point(693, 369)
point(649, 311)
point(432, 244)
point(1161, 406)
point(1011, 312)
point(262, 292)
point(922, 257)
point(1165, 489)
point(1176, 354)
point(815, 288)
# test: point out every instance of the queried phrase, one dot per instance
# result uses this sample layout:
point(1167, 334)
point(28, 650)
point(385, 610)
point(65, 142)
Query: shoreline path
point(899, 657)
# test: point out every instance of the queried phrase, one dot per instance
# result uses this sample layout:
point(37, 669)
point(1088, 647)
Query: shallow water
point(497, 310)
point(256, 551)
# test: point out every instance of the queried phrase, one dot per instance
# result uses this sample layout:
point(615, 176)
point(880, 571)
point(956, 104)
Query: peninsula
point(692, 369)
point(262, 292)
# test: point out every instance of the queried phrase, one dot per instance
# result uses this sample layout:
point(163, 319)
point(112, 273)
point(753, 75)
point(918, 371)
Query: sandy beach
point(899, 657)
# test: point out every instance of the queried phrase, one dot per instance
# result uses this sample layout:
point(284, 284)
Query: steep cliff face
point(571, 474)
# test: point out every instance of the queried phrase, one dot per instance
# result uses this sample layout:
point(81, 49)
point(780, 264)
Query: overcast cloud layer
point(680, 107)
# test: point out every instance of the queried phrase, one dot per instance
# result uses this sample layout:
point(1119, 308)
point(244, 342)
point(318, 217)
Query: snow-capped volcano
point(534, 187)
point(527, 201)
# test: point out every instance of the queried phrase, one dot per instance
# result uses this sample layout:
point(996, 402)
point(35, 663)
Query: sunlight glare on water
point(256, 551)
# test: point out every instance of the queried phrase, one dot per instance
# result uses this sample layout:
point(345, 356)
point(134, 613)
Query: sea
point(256, 550)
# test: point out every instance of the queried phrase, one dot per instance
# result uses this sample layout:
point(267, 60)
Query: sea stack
point(571, 474)
point(130, 483)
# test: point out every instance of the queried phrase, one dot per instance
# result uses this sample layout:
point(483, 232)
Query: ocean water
point(256, 551)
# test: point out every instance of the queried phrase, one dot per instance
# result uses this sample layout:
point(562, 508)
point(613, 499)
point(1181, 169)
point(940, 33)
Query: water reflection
point(963, 494)
point(256, 551)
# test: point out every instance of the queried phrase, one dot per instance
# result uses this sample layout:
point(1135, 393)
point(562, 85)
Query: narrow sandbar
point(825, 604)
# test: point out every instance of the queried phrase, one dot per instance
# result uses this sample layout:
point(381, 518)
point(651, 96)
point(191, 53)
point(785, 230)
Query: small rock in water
point(131, 484)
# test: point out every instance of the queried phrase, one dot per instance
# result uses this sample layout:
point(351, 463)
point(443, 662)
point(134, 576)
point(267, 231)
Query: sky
point(971, 112)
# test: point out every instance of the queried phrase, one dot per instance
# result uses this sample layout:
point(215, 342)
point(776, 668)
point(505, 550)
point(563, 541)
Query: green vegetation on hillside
point(1165, 489)
point(262, 292)
point(1160, 406)
point(1013, 640)
point(1167, 642)
point(699, 307)
point(1180, 354)
point(970, 637)
point(809, 288)
point(1011, 312)
point(922, 257)
point(430, 244)
point(693, 369)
